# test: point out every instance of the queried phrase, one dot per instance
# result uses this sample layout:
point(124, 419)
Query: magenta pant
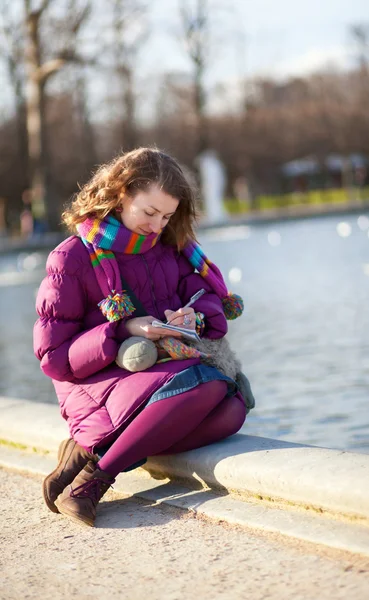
point(183, 422)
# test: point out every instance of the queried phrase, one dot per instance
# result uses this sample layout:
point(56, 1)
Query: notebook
point(188, 333)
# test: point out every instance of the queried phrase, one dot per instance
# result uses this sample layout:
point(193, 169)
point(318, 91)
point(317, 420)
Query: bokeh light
point(274, 238)
point(235, 275)
point(344, 229)
point(363, 222)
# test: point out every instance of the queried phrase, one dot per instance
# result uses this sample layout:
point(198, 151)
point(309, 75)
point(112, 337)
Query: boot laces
point(90, 489)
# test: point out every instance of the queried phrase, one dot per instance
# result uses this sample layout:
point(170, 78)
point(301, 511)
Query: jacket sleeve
point(209, 304)
point(65, 350)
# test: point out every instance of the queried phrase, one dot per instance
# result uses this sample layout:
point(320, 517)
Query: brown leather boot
point(72, 458)
point(79, 500)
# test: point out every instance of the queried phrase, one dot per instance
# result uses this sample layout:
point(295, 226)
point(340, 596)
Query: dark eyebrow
point(156, 210)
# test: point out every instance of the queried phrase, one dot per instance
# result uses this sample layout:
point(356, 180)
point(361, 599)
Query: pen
point(192, 300)
point(195, 297)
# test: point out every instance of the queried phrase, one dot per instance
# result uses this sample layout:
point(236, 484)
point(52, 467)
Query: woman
point(135, 245)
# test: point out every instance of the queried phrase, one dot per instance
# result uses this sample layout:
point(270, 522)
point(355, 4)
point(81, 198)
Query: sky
point(269, 37)
point(261, 38)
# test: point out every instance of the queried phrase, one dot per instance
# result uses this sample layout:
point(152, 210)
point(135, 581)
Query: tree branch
point(36, 13)
point(54, 65)
point(12, 41)
point(44, 5)
point(49, 68)
point(80, 18)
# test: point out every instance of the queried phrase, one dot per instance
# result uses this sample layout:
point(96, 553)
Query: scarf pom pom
point(116, 306)
point(232, 306)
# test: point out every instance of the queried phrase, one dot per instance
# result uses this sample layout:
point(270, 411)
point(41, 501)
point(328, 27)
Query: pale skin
point(149, 212)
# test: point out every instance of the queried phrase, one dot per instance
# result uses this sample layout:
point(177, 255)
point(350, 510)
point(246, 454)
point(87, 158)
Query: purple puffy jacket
point(77, 347)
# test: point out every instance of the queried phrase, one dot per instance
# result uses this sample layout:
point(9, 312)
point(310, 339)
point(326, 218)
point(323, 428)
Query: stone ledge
point(252, 467)
point(299, 524)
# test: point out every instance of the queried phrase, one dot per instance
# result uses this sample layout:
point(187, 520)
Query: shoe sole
point(76, 518)
point(61, 452)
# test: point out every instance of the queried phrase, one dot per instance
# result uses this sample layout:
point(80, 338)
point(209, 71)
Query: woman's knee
point(215, 388)
point(235, 414)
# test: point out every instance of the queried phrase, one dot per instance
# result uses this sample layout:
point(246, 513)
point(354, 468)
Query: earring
point(119, 209)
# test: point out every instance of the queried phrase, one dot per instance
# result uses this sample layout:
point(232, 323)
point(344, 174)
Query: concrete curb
point(302, 525)
point(247, 467)
point(272, 470)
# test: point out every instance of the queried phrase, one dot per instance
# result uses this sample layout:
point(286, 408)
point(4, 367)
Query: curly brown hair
point(127, 174)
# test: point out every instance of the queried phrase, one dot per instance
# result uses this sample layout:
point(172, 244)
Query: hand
point(142, 326)
point(183, 317)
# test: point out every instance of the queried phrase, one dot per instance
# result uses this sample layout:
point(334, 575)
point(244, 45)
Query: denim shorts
point(190, 378)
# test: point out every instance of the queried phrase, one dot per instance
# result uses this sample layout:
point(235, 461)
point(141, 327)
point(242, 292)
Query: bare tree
point(196, 32)
point(130, 32)
point(39, 72)
point(360, 36)
point(87, 136)
point(12, 50)
point(175, 128)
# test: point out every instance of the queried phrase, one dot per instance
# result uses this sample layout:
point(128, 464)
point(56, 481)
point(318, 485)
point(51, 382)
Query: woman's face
point(149, 211)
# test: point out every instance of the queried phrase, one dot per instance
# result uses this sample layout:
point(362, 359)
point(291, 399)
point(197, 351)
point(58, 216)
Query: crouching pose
point(133, 258)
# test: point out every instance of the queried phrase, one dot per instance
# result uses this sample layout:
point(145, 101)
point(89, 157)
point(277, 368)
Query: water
point(303, 341)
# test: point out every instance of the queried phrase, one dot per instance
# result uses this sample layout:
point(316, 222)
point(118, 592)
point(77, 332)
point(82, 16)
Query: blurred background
point(266, 107)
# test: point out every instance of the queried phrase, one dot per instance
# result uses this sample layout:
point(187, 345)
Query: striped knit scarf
point(103, 238)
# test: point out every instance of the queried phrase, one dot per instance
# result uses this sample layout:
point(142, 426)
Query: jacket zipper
point(152, 288)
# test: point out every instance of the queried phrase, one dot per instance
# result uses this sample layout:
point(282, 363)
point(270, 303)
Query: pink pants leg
point(198, 417)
